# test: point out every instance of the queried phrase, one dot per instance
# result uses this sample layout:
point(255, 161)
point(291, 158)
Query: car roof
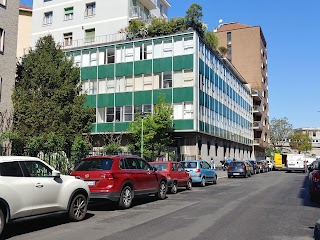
point(193, 161)
point(17, 158)
point(110, 156)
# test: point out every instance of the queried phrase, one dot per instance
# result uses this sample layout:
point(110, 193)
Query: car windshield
point(160, 166)
point(95, 164)
point(236, 164)
point(189, 164)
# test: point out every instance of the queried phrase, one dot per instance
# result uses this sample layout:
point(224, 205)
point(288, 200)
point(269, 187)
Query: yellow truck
point(280, 161)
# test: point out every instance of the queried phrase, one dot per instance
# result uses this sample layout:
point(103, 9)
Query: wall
point(24, 32)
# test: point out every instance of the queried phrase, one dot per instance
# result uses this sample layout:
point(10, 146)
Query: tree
point(280, 129)
point(193, 19)
point(223, 50)
point(300, 142)
point(157, 128)
point(112, 143)
point(212, 40)
point(47, 102)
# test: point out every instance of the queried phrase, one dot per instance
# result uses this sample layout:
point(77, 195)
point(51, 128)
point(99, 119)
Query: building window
point(47, 18)
point(110, 114)
point(67, 37)
point(3, 3)
point(167, 80)
point(89, 35)
point(229, 53)
point(127, 113)
point(1, 41)
point(90, 9)
point(68, 13)
point(228, 38)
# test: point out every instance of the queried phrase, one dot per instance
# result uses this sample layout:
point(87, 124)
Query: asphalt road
point(272, 205)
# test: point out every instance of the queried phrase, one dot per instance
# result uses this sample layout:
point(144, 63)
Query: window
point(95, 164)
point(106, 56)
point(93, 58)
point(77, 60)
point(118, 116)
point(1, 40)
point(188, 46)
point(131, 163)
point(102, 83)
point(147, 82)
point(143, 164)
point(167, 80)
point(10, 169)
point(229, 53)
point(228, 38)
point(38, 169)
point(89, 35)
point(90, 9)
point(67, 39)
point(127, 113)
point(3, 3)
point(110, 114)
point(167, 48)
point(101, 115)
point(68, 13)
point(47, 19)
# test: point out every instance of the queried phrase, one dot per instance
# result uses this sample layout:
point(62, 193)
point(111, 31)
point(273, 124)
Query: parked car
point(255, 166)
point(176, 175)
point(200, 172)
point(239, 168)
point(314, 180)
point(263, 167)
point(30, 187)
point(296, 162)
point(121, 178)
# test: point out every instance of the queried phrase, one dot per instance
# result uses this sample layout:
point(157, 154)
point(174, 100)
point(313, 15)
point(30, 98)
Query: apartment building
point(9, 10)
point(212, 104)
point(79, 22)
point(24, 29)
point(247, 50)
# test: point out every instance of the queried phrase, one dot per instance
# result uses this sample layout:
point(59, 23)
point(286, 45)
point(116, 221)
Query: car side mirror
point(154, 169)
point(56, 174)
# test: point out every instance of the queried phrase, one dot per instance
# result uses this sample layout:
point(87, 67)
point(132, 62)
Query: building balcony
point(257, 141)
point(137, 13)
point(150, 4)
point(257, 125)
point(256, 94)
point(257, 110)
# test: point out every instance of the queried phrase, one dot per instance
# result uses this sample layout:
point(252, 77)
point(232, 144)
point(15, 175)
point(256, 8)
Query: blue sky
point(291, 29)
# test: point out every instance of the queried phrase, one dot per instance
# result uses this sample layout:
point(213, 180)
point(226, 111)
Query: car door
point(183, 174)
point(46, 187)
point(209, 172)
point(16, 189)
point(138, 176)
point(150, 181)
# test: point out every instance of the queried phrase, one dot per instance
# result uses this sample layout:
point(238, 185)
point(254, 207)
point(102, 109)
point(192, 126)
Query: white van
point(296, 162)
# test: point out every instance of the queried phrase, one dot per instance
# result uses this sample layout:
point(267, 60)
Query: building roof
point(232, 26)
point(25, 7)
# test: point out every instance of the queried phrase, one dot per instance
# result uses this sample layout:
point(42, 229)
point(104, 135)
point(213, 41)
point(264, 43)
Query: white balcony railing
point(138, 13)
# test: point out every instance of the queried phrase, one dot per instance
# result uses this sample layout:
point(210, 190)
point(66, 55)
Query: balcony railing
point(257, 110)
point(257, 141)
point(256, 94)
point(150, 4)
point(137, 13)
point(257, 125)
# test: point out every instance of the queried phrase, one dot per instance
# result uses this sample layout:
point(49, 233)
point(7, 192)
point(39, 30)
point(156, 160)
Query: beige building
point(9, 11)
point(24, 29)
point(247, 50)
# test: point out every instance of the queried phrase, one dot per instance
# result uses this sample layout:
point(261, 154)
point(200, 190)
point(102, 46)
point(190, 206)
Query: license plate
point(91, 183)
point(236, 174)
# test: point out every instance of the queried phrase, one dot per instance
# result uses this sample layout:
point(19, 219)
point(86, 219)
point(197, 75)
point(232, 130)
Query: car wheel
point(2, 221)
point(215, 181)
point(125, 197)
point(78, 208)
point(189, 185)
point(203, 182)
point(162, 191)
point(174, 188)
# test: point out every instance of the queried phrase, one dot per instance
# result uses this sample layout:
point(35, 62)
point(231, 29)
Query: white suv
point(31, 187)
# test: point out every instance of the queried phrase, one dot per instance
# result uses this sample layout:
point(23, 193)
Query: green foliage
point(157, 128)
point(280, 129)
point(135, 27)
point(193, 19)
point(223, 50)
point(79, 149)
point(212, 40)
point(112, 148)
point(271, 151)
point(300, 142)
point(48, 107)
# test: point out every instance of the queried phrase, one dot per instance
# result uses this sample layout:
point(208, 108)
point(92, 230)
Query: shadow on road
point(304, 194)
point(31, 225)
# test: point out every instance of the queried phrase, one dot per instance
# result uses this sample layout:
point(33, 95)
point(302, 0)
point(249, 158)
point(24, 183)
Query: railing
point(257, 108)
point(257, 141)
point(257, 124)
point(137, 12)
point(257, 93)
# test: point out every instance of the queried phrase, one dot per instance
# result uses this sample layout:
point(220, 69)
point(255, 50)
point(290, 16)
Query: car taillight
point(243, 166)
point(198, 170)
point(229, 167)
point(316, 177)
point(108, 176)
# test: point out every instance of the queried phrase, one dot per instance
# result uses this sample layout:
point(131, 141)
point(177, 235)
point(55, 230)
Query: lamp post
point(142, 116)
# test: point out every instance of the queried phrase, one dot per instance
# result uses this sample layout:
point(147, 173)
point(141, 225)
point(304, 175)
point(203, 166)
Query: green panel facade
point(106, 100)
point(162, 65)
point(143, 97)
point(182, 94)
point(166, 92)
point(183, 62)
point(143, 67)
point(183, 124)
point(106, 71)
point(88, 73)
point(91, 101)
point(123, 99)
point(105, 127)
point(124, 69)
point(121, 127)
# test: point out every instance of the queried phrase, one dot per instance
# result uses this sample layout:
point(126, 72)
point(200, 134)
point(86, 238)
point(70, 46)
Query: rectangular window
point(127, 113)
point(110, 55)
point(188, 111)
point(110, 85)
point(93, 88)
point(188, 78)
point(128, 55)
point(178, 47)
point(147, 82)
point(86, 59)
point(102, 86)
point(178, 79)
point(90, 9)
point(188, 46)
point(138, 83)
point(77, 60)
point(101, 117)
point(93, 58)
point(47, 18)
point(110, 114)
point(89, 35)
point(118, 114)
point(157, 50)
point(68, 13)
point(167, 80)
point(228, 38)
point(1, 41)
point(129, 84)
point(67, 37)
point(178, 111)
point(167, 49)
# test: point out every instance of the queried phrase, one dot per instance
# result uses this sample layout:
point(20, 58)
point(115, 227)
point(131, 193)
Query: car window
point(236, 164)
point(206, 165)
point(123, 164)
point(95, 164)
point(10, 169)
point(38, 169)
point(132, 163)
point(180, 167)
point(190, 164)
point(143, 164)
point(160, 166)
point(174, 167)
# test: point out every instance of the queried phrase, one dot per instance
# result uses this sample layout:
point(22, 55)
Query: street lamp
point(142, 116)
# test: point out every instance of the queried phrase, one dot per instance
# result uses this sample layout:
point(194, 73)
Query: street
point(272, 205)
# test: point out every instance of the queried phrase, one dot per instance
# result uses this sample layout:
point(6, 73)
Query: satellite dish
point(220, 20)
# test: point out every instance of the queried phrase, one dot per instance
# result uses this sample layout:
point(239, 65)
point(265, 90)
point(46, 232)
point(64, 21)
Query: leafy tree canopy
point(280, 129)
point(300, 142)
point(49, 110)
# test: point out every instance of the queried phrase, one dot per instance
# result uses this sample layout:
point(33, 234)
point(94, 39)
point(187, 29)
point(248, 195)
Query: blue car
point(200, 172)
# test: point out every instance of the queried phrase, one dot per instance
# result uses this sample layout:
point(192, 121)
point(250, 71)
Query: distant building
point(314, 134)
point(247, 50)
point(9, 11)
point(24, 29)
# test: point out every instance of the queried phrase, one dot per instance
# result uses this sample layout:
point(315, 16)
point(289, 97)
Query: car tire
point(229, 176)
point(203, 182)
point(174, 188)
point(78, 208)
point(215, 181)
point(162, 191)
point(2, 221)
point(126, 197)
point(189, 185)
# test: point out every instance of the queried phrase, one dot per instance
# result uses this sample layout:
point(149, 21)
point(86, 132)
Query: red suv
point(120, 178)
point(176, 175)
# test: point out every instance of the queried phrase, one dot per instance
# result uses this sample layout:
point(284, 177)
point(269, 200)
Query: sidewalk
point(221, 173)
